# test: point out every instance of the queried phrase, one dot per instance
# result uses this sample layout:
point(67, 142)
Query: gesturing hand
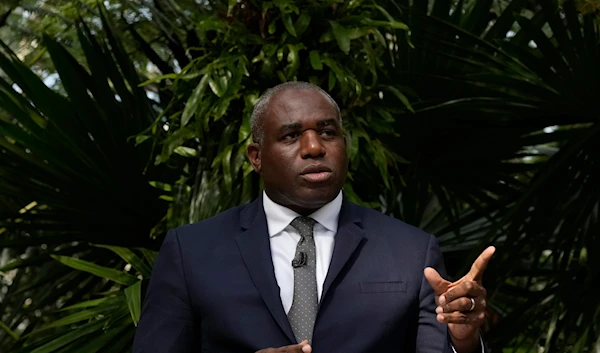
point(302, 347)
point(462, 304)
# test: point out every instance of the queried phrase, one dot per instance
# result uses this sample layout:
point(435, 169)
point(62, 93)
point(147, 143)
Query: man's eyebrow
point(327, 122)
point(288, 127)
point(295, 126)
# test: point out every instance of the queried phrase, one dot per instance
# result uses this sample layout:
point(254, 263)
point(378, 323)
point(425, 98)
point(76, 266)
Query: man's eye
point(328, 132)
point(290, 136)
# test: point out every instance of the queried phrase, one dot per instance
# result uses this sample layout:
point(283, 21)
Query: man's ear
point(253, 153)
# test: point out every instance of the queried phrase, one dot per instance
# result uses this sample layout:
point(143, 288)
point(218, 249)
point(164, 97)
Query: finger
point(457, 317)
point(463, 304)
point(463, 289)
point(480, 264)
point(436, 281)
point(302, 347)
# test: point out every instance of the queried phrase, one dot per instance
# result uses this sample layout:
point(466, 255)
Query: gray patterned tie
point(303, 312)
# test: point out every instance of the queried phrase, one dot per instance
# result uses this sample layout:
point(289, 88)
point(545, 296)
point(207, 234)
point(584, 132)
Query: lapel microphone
point(299, 260)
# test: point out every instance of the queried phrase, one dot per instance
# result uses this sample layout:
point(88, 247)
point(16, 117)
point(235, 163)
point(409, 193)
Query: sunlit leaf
point(194, 101)
point(133, 294)
point(315, 60)
point(131, 258)
point(10, 332)
point(108, 273)
point(185, 151)
point(341, 36)
point(289, 24)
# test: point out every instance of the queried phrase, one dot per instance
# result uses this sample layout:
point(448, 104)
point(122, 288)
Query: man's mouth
point(317, 172)
point(321, 176)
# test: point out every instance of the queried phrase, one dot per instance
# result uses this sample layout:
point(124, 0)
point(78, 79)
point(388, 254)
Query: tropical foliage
point(471, 119)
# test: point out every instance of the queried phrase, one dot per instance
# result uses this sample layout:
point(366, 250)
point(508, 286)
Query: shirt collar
point(279, 217)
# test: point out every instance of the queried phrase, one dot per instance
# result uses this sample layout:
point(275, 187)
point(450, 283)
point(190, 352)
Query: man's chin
point(317, 197)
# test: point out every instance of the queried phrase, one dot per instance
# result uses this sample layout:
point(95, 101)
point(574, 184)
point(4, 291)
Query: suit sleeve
point(167, 321)
point(431, 336)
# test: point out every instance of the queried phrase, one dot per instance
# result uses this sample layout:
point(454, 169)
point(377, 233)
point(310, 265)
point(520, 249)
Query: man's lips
point(315, 168)
point(316, 173)
point(322, 176)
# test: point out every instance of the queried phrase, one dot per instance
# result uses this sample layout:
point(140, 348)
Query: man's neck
point(279, 216)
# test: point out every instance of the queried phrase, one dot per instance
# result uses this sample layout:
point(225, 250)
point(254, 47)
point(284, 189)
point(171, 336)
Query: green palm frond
point(69, 160)
point(542, 82)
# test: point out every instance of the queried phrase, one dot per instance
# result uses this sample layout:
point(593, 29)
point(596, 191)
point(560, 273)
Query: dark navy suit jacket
point(213, 289)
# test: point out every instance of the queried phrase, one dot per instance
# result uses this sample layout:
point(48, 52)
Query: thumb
point(304, 347)
point(436, 281)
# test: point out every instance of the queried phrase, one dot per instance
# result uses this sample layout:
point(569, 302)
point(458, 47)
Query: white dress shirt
point(284, 239)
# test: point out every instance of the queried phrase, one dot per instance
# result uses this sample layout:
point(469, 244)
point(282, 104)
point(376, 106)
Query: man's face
point(302, 158)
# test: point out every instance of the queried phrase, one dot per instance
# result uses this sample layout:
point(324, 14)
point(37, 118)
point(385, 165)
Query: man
point(301, 268)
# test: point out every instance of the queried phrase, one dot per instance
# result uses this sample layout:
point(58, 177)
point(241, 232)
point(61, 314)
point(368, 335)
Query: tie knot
point(304, 225)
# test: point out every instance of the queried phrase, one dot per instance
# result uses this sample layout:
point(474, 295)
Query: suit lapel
point(348, 238)
point(255, 248)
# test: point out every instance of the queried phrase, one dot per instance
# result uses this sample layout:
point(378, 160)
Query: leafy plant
point(96, 324)
point(343, 47)
point(70, 160)
point(533, 73)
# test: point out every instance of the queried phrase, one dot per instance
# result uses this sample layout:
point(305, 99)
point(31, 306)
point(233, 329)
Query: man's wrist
point(467, 345)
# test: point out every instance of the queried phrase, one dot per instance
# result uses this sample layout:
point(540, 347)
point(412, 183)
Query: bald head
point(262, 106)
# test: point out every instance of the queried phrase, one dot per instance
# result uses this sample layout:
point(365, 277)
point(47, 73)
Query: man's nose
point(312, 146)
